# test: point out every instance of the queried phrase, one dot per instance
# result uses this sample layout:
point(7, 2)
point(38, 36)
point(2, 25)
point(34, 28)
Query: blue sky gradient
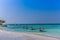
point(30, 11)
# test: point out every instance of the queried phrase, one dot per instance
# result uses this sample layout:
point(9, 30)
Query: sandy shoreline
point(24, 36)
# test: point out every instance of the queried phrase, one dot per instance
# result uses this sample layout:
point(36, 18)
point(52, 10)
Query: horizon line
point(37, 23)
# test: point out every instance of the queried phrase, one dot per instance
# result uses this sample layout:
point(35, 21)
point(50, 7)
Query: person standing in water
point(41, 29)
point(32, 28)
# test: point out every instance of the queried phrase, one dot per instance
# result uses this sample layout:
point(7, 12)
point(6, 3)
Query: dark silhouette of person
point(32, 28)
point(41, 29)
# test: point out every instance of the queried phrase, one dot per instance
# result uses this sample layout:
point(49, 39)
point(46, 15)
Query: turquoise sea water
point(48, 29)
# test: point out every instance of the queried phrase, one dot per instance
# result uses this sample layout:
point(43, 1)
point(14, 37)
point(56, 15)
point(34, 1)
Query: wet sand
point(6, 35)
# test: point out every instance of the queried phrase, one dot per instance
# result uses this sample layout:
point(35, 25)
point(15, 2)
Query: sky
point(30, 11)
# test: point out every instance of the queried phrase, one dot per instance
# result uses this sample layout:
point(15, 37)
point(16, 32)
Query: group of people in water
point(32, 28)
point(41, 29)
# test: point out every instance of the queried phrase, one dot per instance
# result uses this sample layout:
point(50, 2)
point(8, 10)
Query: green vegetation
point(1, 22)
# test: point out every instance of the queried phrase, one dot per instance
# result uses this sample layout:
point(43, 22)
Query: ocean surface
point(49, 29)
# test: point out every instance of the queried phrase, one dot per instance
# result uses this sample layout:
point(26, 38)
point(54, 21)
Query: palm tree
point(1, 22)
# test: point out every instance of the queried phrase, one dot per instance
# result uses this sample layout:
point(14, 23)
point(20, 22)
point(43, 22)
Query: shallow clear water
point(48, 29)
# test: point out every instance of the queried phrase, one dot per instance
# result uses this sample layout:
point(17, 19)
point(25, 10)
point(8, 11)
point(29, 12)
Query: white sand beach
point(6, 35)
